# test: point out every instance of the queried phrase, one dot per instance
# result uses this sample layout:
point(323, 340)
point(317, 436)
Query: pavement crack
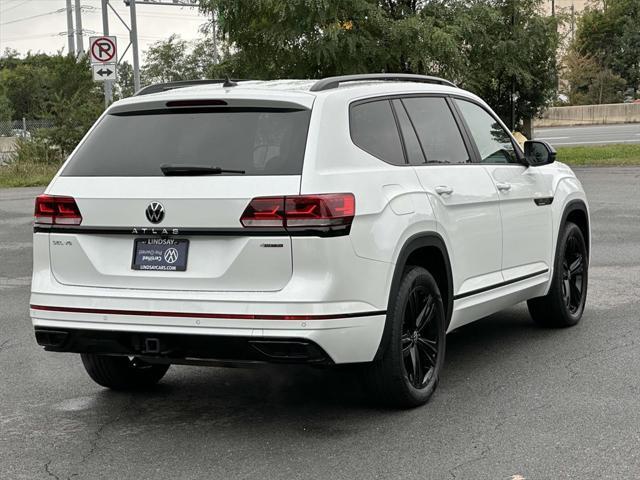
point(97, 436)
point(47, 469)
point(5, 345)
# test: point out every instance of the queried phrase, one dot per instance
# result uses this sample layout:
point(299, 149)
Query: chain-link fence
point(11, 131)
point(23, 128)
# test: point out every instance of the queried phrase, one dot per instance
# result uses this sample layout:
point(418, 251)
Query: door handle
point(444, 190)
point(503, 187)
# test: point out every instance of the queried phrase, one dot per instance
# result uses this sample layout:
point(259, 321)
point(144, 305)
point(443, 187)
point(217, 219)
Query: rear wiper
point(176, 170)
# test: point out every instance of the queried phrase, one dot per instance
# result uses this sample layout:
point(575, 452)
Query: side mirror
point(537, 153)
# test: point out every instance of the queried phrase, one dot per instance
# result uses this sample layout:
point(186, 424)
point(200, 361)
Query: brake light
point(55, 210)
point(300, 212)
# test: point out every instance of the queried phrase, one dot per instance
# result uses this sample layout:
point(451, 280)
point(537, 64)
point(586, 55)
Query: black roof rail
point(163, 87)
point(334, 82)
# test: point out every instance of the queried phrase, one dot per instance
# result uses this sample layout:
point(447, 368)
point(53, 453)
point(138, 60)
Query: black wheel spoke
point(406, 344)
point(576, 267)
point(428, 346)
point(415, 365)
point(426, 315)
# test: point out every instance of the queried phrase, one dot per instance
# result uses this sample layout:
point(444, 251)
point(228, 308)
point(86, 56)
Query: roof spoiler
point(163, 87)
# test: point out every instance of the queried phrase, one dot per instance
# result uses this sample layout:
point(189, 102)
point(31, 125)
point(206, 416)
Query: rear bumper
point(181, 348)
point(339, 337)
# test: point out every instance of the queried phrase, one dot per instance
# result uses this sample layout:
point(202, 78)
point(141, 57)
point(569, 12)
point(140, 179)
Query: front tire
point(408, 373)
point(122, 373)
point(564, 303)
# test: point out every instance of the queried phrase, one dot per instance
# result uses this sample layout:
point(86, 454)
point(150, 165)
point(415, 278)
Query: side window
point(374, 129)
point(411, 143)
point(493, 141)
point(437, 130)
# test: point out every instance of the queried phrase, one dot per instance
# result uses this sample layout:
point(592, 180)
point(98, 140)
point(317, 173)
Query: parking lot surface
point(514, 399)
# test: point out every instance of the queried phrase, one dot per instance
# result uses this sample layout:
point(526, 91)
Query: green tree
point(503, 50)
point(166, 61)
point(610, 33)
point(54, 87)
point(124, 83)
point(6, 111)
point(303, 39)
point(588, 83)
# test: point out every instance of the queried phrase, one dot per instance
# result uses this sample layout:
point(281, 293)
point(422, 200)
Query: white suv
point(355, 219)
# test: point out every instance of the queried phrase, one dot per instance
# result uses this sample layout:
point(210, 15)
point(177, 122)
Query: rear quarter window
point(374, 130)
point(260, 141)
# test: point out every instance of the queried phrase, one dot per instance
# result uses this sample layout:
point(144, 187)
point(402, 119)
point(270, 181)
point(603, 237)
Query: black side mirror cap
point(538, 153)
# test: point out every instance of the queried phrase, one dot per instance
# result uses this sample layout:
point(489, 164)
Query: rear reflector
point(55, 210)
point(301, 212)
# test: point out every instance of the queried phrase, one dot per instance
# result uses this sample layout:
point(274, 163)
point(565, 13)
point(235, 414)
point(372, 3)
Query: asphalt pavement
point(514, 401)
point(589, 135)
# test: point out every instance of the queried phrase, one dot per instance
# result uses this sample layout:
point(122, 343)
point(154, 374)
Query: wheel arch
point(576, 211)
point(427, 250)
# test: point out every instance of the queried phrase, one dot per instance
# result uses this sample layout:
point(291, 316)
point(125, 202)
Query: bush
point(37, 150)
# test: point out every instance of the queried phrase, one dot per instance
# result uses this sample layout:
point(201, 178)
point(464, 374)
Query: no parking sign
point(103, 49)
point(104, 56)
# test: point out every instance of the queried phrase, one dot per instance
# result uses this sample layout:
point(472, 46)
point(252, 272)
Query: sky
point(47, 30)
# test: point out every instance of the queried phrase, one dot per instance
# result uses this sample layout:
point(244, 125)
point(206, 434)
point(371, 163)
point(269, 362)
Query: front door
point(525, 195)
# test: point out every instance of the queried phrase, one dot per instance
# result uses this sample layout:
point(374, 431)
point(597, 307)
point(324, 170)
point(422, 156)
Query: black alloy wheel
point(420, 339)
point(563, 305)
point(573, 278)
point(407, 373)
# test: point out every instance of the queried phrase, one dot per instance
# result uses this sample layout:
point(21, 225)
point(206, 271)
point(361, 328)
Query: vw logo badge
point(171, 255)
point(155, 212)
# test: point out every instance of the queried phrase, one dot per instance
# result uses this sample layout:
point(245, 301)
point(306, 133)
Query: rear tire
point(407, 374)
point(122, 373)
point(564, 303)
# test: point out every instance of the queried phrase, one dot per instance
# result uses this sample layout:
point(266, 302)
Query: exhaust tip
point(51, 338)
point(290, 351)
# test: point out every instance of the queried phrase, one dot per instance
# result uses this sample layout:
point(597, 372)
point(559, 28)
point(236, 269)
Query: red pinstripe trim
point(232, 316)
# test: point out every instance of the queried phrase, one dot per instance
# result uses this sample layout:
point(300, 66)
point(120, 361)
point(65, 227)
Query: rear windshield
point(260, 141)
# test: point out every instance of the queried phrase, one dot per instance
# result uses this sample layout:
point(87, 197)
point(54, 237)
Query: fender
point(572, 206)
point(413, 243)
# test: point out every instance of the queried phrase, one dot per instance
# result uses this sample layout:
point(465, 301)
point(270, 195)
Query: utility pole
point(573, 21)
point(134, 45)
point(108, 85)
point(79, 31)
point(553, 8)
point(133, 29)
point(70, 40)
point(214, 38)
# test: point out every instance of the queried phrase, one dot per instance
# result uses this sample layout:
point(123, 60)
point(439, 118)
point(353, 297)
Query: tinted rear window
point(374, 129)
point(258, 141)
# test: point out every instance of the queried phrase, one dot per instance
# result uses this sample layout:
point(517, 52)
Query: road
point(514, 399)
point(589, 135)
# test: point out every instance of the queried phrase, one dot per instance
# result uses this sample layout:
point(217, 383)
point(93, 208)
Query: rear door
point(461, 192)
point(132, 213)
point(525, 194)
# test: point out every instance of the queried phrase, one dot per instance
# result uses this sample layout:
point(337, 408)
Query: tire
point(407, 374)
point(122, 373)
point(564, 303)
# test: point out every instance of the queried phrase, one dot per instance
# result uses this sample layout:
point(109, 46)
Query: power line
point(14, 6)
point(53, 12)
point(31, 37)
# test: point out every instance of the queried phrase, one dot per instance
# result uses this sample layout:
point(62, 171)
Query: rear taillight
point(326, 212)
point(54, 210)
